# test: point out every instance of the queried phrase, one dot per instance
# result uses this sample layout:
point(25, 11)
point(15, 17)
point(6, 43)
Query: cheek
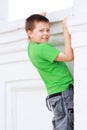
point(34, 35)
point(38, 34)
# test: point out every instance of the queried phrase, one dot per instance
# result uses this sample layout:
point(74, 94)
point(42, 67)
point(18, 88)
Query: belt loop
point(70, 85)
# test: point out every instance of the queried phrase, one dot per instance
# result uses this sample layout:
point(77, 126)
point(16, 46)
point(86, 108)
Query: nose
point(46, 32)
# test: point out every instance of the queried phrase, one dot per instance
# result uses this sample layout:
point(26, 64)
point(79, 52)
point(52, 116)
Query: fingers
point(64, 25)
point(43, 13)
point(64, 21)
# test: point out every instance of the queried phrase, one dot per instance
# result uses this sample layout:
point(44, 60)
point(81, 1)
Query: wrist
point(66, 32)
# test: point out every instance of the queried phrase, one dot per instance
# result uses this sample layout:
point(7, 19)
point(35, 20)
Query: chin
point(45, 41)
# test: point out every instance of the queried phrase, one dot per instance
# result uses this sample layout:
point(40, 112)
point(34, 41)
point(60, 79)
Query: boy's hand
point(43, 13)
point(64, 25)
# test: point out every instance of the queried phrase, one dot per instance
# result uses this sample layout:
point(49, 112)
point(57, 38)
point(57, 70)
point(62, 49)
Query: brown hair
point(30, 21)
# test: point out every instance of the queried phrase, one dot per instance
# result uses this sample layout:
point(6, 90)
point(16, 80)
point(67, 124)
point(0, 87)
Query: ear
point(29, 33)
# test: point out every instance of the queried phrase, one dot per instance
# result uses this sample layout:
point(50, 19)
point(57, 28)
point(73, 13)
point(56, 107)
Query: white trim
point(19, 24)
point(2, 105)
point(12, 87)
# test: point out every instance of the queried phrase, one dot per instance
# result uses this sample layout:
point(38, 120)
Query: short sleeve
point(49, 52)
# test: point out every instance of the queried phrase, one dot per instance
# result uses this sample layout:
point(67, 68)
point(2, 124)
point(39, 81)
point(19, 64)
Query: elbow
point(65, 58)
point(70, 58)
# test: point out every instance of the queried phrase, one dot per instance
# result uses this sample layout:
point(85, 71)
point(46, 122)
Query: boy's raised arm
point(67, 55)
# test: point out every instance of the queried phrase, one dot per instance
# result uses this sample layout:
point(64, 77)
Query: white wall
point(3, 9)
point(22, 92)
point(77, 24)
point(80, 7)
point(19, 81)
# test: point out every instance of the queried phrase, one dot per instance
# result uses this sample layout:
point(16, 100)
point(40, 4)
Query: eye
point(41, 30)
point(48, 30)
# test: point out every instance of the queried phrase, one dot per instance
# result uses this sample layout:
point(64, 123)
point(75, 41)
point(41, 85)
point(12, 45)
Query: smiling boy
point(49, 62)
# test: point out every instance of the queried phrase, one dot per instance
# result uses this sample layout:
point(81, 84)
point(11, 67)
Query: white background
point(23, 8)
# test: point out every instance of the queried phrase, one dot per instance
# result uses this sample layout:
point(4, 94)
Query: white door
point(25, 106)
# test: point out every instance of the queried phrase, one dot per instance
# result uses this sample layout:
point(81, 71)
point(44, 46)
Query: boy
point(50, 64)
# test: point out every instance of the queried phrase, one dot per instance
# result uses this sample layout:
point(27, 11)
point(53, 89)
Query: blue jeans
point(62, 108)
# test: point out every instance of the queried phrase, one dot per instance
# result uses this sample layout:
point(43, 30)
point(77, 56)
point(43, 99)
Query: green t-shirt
point(55, 74)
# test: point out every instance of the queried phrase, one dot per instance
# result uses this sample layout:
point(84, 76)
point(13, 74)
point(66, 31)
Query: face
point(40, 33)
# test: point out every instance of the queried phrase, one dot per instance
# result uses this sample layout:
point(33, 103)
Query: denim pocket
point(56, 104)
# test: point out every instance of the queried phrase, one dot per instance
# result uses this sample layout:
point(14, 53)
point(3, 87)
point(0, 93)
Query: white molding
point(12, 25)
point(26, 83)
point(77, 20)
point(14, 36)
point(77, 23)
point(2, 105)
point(17, 56)
point(59, 15)
point(13, 47)
point(12, 89)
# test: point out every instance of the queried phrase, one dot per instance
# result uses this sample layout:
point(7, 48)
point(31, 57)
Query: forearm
point(68, 51)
